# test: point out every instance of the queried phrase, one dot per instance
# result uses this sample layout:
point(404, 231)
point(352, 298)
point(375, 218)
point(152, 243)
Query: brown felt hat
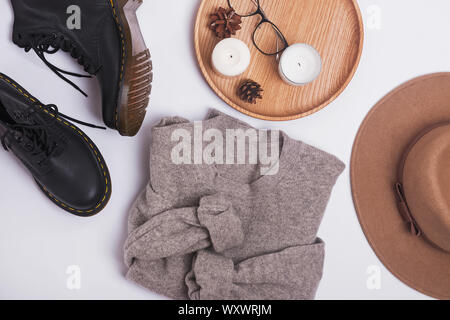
point(400, 176)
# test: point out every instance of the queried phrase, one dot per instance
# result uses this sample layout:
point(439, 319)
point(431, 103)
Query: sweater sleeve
point(291, 274)
point(180, 231)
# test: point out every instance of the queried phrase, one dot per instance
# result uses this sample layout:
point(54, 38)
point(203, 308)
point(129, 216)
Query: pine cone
point(249, 91)
point(225, 23)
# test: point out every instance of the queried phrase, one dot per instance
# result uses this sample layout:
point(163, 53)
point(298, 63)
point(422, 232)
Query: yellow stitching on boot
point(79, 132)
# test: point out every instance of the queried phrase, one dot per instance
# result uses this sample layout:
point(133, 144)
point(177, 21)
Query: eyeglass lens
point(244, 8)
point(268, 38)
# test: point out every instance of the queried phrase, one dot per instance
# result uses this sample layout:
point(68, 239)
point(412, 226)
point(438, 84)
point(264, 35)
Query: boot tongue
point(15, 109)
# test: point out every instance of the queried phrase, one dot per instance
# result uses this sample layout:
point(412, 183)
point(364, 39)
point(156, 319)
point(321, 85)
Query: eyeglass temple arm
point(280, 37)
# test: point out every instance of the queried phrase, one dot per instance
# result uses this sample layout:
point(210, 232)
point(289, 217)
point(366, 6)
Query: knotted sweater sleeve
point(186, 230)
point(159, 243)
point(291, 274)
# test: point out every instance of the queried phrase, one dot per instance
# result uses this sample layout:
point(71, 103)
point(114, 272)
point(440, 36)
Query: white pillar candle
point(300, 64)
point(231, 57)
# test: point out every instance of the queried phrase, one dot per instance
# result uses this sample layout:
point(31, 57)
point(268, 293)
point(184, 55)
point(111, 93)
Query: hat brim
point(381, 141)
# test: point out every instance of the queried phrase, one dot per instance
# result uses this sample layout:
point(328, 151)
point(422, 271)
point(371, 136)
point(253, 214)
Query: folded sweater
point(225, 230)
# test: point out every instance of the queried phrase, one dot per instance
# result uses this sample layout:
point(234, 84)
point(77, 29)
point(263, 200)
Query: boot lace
point(35, 137)
point(51, 44)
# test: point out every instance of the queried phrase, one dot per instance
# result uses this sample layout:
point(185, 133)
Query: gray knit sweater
point(230, 231)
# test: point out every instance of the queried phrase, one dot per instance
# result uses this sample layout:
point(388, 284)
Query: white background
point(38, 241)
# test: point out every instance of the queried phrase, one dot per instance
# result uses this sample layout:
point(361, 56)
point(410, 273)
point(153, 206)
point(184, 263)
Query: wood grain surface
point(333, 27)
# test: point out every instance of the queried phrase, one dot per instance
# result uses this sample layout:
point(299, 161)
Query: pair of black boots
point(104, 37)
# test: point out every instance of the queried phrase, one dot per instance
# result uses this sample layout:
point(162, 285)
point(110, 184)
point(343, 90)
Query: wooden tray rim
point(281, 118)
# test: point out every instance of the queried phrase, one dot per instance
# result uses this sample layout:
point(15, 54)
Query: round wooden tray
point(334, 28)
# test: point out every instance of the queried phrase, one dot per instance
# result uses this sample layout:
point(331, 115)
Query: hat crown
point(426, 183)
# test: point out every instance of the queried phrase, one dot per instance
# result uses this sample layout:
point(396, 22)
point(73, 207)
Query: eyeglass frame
point(264, 19)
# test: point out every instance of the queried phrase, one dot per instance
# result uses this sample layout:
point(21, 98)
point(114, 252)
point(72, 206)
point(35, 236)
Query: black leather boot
point(104, 36)
point(64, 162)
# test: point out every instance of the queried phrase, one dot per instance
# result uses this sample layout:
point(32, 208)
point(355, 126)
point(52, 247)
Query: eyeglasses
point(267, 36)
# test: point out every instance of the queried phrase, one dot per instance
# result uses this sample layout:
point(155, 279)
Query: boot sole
point(136, 69)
